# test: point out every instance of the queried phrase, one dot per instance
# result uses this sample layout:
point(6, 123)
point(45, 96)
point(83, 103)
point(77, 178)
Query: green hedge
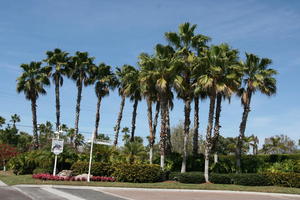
point(138, 173)
point(191, 177)
point(220, 178)
point(288, 179)
point(98, 168)
point(250, 179)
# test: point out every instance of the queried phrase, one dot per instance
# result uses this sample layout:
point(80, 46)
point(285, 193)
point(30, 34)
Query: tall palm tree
point(121, 85)
point(133, 91)
point(213, 75)
point(58, 61)
point(257, 77)
point(162, 68)
point(104, 79)
point(32, 82)
point(150, 93)
point(81, 65)
point(183, 41)
point(14, 119)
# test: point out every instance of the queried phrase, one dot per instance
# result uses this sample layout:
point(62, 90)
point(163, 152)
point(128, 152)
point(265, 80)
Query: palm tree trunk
point(117, 127)
point(152, 140)
point(79, 91)
point(150, 123)
point(163, 129)
point(168, 139)
point(187, 121)
point(133, 121)
point(196, 126)
point(34, 123)
point(208, 143)
point(217, 120)
point(97, 116)
point(242, 134)
point(57, 104)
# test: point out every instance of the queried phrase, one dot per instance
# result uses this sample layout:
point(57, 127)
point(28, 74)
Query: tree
point(104, 79)
point(14, 119)
point(213, 75)
point(162, 68)
point(32, 82)
point(279, 144)
point(2, 121)
point(130, 79)
point(6, 152)
point(257, 77)
point(46, 133)
point(150, 94)
point(121, 87)
point(58, 61)
point(81, 65)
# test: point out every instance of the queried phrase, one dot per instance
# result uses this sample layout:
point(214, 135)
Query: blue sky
point(116, 32)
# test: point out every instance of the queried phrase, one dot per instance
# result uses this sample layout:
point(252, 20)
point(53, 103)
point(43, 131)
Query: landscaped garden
point(189, 68)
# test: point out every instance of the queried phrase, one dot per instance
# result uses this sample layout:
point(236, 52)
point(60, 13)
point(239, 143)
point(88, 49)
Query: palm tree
point(14, 119)
point(183, 42)
point(213, 75)
point(162, 69)
point(81, 65)
point(150, 94)
point(131, 86)
point(104, 79)
point(58, 61)
point(120, 76)
point(257, 77)
point(32, 82)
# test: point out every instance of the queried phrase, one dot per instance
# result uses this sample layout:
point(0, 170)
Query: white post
point(55, 159)
point(55, 162)
point(91, 155)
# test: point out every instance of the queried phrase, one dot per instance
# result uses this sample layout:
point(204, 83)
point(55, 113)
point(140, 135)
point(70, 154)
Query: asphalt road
point(42, 192)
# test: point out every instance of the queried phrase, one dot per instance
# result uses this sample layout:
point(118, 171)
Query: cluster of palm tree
point(187, 67)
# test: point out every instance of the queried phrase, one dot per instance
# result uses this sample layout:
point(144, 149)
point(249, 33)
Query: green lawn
point(26, 179)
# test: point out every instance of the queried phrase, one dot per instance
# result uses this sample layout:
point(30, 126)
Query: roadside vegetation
point(187, 67)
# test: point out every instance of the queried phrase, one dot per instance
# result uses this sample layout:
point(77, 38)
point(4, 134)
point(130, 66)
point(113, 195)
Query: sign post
point(107, 142)
point(57, 148)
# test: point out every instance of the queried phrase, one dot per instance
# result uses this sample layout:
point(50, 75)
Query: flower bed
point(49, 177)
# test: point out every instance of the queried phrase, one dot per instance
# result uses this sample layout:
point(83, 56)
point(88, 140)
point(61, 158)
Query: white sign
point(57, 146)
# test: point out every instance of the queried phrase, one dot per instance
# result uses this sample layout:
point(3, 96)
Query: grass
point(10, 179)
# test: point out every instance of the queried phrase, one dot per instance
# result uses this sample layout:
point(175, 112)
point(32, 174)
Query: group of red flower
point(72, 178)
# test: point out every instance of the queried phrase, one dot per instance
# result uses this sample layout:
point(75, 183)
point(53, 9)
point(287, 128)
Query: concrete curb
point(2, 183)
point(161, 190)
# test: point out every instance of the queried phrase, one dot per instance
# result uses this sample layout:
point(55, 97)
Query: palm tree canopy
point(218, 71)
point(129, 82)
point(58, 60)
point(33, 80)
point(257, 77)
point(81, 65)
point(104, 79)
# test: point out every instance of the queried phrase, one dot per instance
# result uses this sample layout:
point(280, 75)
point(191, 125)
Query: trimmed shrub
point(220, 178)
point(288, 179)
point(98, 168)
point(137, 173)
point(41, 171)
point(191, 177)
point(251, 179)
point(174, 176)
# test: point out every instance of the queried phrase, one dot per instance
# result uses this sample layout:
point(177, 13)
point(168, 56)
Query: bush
point(137, 173)
point(285, 166)
point(98, 168)
point(41, 171)
point(288, 179)
point(251, 179)
point(174, 176)
point(191, 177)
point(71, 178)
point(220, 178)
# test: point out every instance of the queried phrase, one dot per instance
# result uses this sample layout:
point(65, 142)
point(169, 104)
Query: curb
point(161, 190)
